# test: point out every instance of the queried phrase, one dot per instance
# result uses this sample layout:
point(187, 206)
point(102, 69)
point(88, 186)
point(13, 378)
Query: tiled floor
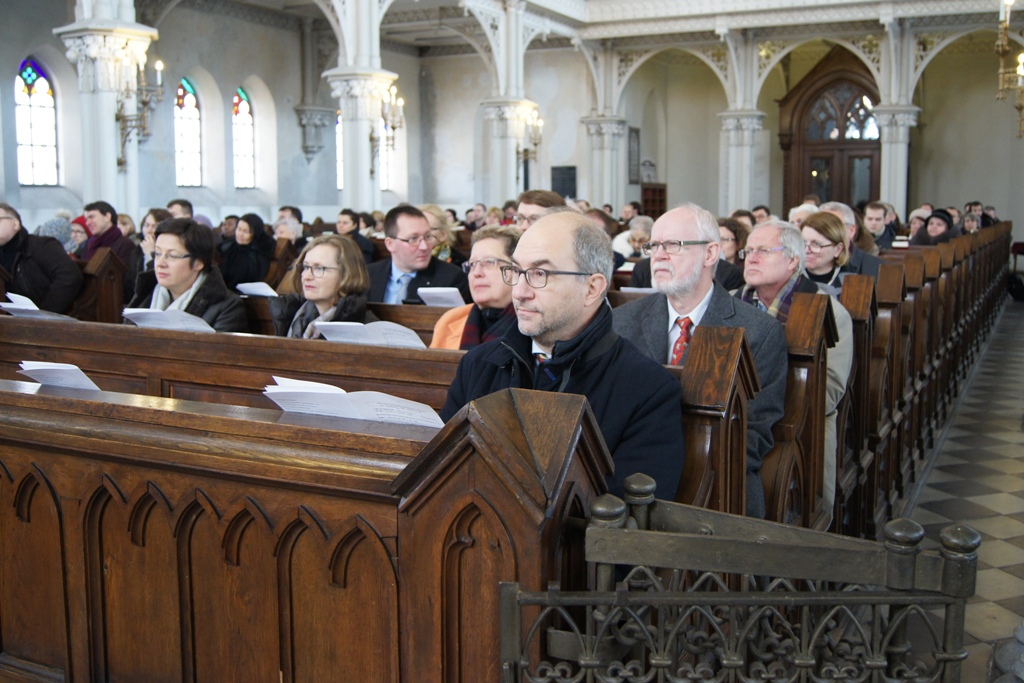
point(978, 479)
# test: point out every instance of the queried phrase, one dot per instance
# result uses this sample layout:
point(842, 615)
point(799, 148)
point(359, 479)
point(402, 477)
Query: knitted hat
point(81, 221)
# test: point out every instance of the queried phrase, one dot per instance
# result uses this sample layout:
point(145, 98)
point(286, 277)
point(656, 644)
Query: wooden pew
point(233, 369)
point(102, 297)
point(170, 540)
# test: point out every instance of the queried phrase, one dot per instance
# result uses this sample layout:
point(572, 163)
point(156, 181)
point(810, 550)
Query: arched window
point(244, 145)
point(340, 144)
point(842, 112)
point(188, 148)
point(36, 122)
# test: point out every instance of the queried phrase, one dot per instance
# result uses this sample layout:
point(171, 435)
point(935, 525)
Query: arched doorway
point(829, 135)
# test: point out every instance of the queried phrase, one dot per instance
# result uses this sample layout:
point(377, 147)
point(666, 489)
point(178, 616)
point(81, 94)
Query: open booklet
point(57, 375)
point(379, 333)
point(300, 396)
point(167, 320)
point(449, 297)
point(256, 289)
point(23, 307)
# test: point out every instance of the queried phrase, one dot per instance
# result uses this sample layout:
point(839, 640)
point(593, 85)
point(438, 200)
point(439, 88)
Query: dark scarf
point(596, 339)
point(109, 236)
point(486, 324)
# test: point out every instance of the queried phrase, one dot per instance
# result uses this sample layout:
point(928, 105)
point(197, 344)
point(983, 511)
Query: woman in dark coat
point(247, 258)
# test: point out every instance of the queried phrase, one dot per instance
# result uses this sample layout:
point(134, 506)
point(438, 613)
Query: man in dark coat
point(36, 267)
point(564, 341)
point(102, 221)
point(689, 291)
point(411, 266)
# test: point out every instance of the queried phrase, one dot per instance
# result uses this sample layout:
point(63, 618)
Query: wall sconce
point(534, 136)
point(138, 122)
point(392, 113)
point(1011, 79)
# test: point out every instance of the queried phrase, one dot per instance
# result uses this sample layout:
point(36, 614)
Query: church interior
point(179, 493)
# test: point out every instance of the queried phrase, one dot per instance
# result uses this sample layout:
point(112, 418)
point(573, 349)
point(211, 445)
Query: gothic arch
point(871, 65)
point(922, 62)
point(265, 124)
point(634, 62)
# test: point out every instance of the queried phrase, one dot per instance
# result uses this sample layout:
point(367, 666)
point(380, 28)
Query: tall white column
point(360, 92)
point(108, 55)
point(738, 167)
point(503, 128)
point(894, 124)
point(606, 171)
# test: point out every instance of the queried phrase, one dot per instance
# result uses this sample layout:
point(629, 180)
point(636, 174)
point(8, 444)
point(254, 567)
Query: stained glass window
point(340, 144)
point(188, 148)
point(36, 122)
point(242, 133)
point(844, 111)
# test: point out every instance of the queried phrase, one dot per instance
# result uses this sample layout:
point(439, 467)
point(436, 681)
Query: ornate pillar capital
point(108, 55)
point(742, 119)
point(508, 115)
point(896, 115)
point(313, 121)
point(604, 131)
point(360, 91)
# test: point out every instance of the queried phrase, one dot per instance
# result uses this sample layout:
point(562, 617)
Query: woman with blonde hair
point(445, 249)
point(824, 238)
point(331, 276)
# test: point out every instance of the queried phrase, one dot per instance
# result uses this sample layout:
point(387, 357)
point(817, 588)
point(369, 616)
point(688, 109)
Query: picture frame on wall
point(634, 156)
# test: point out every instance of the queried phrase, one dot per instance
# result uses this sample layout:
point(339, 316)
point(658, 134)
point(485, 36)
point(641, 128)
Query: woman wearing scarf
point(491, 312)
point(331, 274)
point(247, 258)
point(183, 278)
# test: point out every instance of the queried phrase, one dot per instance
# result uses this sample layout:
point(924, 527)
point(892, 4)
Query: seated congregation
point(316, 544)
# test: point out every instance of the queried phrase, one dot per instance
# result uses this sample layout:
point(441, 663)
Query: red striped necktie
point(679, 348)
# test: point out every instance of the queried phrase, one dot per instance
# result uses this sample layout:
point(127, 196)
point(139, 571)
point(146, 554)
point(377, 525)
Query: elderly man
point(533, 204)
point(36, 267)
point(564, 342)
point(684, 250)
point(860, 261)
point(408, 237)
point(773, 267)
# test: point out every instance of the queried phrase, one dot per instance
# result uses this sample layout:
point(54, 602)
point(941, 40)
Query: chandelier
point(1011, 78)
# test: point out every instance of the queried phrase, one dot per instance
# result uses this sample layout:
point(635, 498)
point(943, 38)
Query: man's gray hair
point(844, 212)
point(592, 248)
point(790, 239)
point(806, 209)
point(707, 224)
point(642, 223)
point(294, 227)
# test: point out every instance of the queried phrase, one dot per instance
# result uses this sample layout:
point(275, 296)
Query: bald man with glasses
point(412, 265)
point(564, 342)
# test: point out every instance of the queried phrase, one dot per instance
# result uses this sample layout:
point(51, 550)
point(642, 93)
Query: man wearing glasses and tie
point(564, 342)
point(408, 237)
point(683, 250)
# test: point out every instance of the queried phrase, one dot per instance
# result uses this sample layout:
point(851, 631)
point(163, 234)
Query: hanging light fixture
point(1011, 78)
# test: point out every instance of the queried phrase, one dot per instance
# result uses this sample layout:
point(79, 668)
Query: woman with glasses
point(445, 249)
point(733, 235)
point(184, 278)
point(148, 244)
point(824, 235)
point(331, 275)
point(491, 313)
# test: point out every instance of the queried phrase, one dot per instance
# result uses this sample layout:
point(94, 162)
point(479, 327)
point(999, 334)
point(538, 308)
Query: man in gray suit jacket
point(684, 250)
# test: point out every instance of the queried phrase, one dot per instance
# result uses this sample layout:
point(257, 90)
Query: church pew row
point(153, 539)
point(233, 369)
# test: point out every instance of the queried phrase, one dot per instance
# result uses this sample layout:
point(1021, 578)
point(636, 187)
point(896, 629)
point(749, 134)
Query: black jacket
point(637, 402)
point(223, 310)
point(40, 269)
point(436, 274)
point(246, 262)
point(290, 309)
point(729, 275)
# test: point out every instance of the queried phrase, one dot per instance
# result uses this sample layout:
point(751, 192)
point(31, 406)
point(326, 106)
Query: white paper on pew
point(256, 289)
point(57, 375)
point(379, 333)
point(449, 297)
point(18, 302)
point(36, 314)
point(641, 290)
point(627, 267)
point(316, 398)
point(167, 320)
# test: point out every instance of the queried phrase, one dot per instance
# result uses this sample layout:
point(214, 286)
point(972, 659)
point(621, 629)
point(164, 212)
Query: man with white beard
point(684, 249)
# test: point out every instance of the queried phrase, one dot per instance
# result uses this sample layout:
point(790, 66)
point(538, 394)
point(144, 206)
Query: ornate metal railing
point(705, 596)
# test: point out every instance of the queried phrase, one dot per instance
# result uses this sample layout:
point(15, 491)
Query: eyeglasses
point(484, 263)
point(6, 218)
point(170, 255)
point(520, 219)
point(535, 277)
point(318, 271)
point(670, 246)
point(759, 251)
point(726, 239)
point(815, 247)
point(430, 239)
